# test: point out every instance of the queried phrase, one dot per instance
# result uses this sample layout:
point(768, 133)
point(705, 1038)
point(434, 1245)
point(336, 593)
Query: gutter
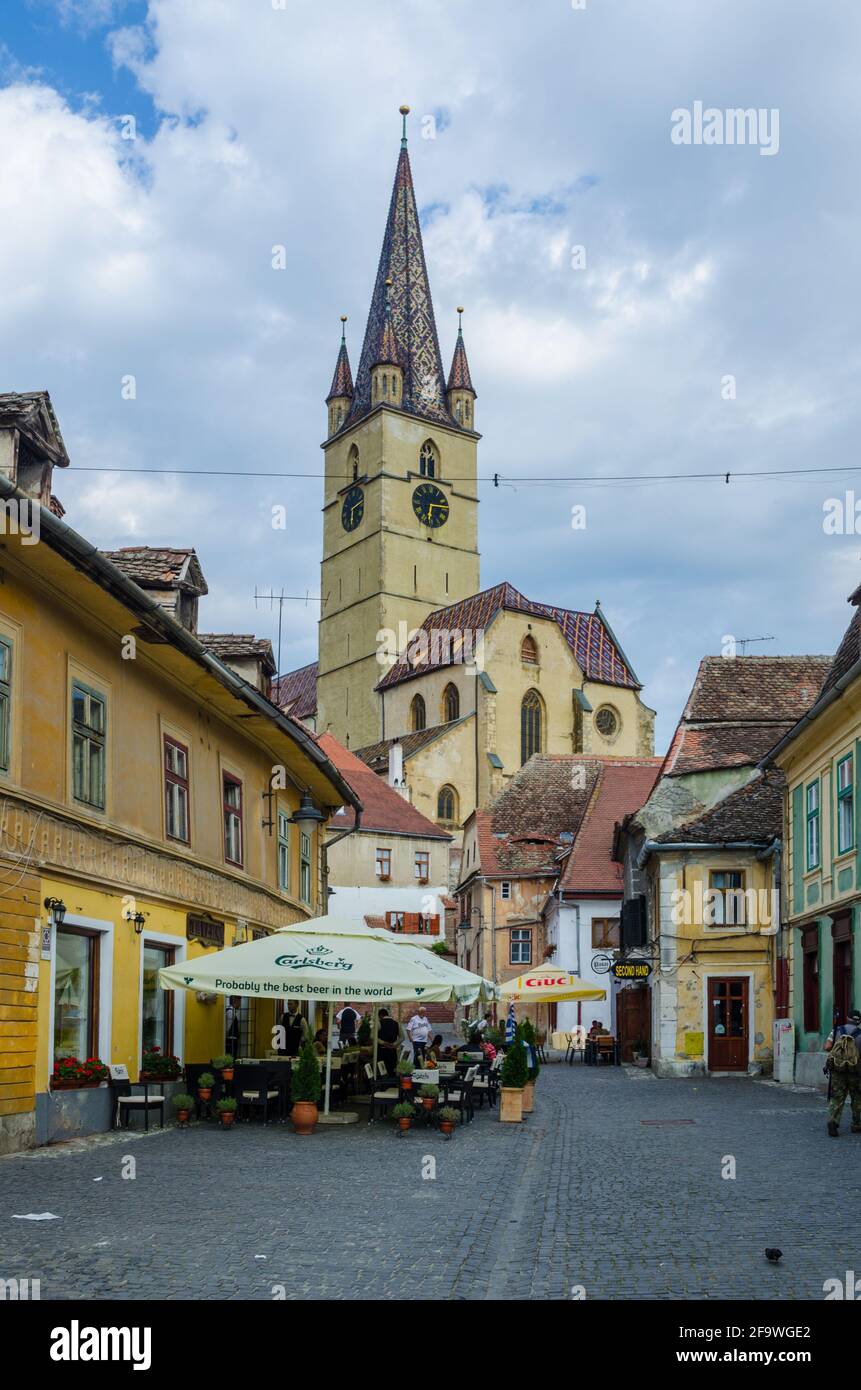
point(834, 694)
point(663, 847)
point(84, 556)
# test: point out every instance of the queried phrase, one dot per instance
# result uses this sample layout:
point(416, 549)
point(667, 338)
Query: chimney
point(396, 769)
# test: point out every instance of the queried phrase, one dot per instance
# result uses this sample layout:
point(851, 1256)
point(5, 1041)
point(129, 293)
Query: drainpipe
point(658, 846)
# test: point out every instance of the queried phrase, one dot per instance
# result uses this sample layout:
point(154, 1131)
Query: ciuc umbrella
point(326, 959)
point(548, 987)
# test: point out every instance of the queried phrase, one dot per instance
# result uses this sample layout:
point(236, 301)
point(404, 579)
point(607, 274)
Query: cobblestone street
point(613, 1184)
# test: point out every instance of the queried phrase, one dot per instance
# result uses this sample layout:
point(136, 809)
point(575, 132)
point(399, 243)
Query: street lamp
point(307, 817)
point(57, 909)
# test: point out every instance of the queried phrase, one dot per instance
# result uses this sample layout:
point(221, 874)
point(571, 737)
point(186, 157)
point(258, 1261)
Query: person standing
point(844, 1069)
point(419, 1031)
point(295, 1029)
point(389, 1034)
point(231, 1025)
point(348, 1024)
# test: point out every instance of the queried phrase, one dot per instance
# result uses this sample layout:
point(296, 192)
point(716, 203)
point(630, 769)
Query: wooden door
point(633, 1021)
point(728, 1024)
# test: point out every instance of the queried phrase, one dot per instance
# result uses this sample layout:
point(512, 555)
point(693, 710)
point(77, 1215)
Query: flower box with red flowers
point(159, 1066)
point(71, 1075)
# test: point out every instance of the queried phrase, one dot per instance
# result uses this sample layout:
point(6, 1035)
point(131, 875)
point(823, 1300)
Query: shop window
point(520, 946)
point(89, 724)
point(156, 1003)
point(176, 789)
point(76, 994)
point(231, 798)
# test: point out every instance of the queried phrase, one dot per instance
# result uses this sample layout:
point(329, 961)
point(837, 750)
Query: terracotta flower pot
point(304, 1116)
point(227, 1118)
point(406, 1083)
point(511, 1104)
point(529, 1098)
point(427, 1102)
point(182, 1117)
point(447, 1127)
point(227, 1074)
point(204, 1092)
point(405, 1122)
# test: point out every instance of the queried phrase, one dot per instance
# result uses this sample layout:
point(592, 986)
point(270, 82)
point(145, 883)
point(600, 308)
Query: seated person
point(489, 1051)
point(320, 1042)
point(433, 1051)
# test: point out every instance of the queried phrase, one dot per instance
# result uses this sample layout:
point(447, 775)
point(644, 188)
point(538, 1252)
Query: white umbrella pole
point(375, 1024)
point(328, 1063)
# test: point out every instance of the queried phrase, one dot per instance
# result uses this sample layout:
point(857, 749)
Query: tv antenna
point(272, 598)
point(743, 642)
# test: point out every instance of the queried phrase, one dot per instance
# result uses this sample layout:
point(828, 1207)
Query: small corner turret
point(460, 391)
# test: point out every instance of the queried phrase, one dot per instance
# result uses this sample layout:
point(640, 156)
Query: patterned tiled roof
point(597, 653)
point(225, 645)
point(296, 693)
point(342, 381)
point(376, 755)
point(402, 259)
point(154, 567)
point(753, 813)
point(32, 413)
point(849, 651)
point(459, 378)
point(623, 786)
point(385, 808)
point(740, 707)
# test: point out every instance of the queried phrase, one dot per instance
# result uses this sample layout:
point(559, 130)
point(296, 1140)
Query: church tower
point(400, 508)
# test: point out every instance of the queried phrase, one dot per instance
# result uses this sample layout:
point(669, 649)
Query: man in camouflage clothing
point(845, 1081)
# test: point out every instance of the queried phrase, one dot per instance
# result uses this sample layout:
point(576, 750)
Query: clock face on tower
point(430, 505)
point(352, 509)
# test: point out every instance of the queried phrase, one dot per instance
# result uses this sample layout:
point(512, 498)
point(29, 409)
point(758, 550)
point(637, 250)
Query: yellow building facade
point(136, 772)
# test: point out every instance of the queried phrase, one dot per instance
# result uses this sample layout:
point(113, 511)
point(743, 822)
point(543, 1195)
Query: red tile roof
point(296, 693)
point(385, 809)
point(227, 645)
point(160, 567)
point(740, 707)
point(623, 786)
point(597, 653)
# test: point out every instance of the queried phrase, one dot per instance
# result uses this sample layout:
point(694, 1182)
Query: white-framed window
point(812, 798)
point(383, 863)
point(505, 889)
point(232, 810)
point(283, 851)
point(520, 948)
point(845, 798)
point(176, 789)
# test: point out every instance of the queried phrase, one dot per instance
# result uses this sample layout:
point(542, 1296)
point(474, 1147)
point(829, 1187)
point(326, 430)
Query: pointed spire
point(459, 378)
point(410, 308)
point(342, 381)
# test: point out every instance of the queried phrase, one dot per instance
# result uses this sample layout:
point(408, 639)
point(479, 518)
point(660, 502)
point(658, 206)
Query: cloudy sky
point(274, 122)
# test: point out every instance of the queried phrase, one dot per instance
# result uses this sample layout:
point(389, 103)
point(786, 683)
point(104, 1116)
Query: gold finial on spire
point(460, 318)
point(405, 111)
point(343, 329)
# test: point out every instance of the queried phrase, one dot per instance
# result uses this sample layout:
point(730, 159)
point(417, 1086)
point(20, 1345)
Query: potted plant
point(529, 1038)
point(226, 1108)
point(405, 1069)
point(71, 1075)
point(641, 1053)
point(305, 1089)
point(225, 1066)
point(403, 1112)
point(182, 1104)
point(428, 1096)
point(159, 1066)
point(513, 1077)
point(205, 1083)
point(363, 1037)
point(448, 1117)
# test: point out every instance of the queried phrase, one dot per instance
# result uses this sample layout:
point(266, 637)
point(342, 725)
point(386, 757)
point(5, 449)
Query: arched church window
point(428, 460)
point(530, 725)
point(458, 411)
point(446, 805)
point(450, 704)
point(418, 714)
point(529, 650)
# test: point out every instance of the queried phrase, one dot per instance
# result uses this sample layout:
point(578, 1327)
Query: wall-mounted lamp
point(307, 817)
point(57, 909)
point(139, 921)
